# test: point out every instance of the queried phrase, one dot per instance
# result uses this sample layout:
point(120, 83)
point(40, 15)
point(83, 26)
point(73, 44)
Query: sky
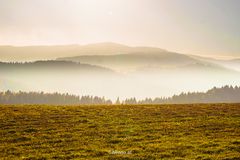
point(203, 27)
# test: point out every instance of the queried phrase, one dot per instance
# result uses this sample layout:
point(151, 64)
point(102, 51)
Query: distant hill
point(115, 56)
point(151, 61)
point(51, 66)
point(33, 53)
point(235, 60)
point(233, 64)
point(134, 61)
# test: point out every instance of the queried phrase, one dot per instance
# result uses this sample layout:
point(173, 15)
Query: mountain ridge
point(52, 65)
point(47, 52)
point(137, 60)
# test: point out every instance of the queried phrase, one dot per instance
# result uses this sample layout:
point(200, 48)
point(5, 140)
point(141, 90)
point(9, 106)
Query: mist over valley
point(114, 70)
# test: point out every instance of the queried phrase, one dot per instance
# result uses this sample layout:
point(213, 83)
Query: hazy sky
point(209, 27)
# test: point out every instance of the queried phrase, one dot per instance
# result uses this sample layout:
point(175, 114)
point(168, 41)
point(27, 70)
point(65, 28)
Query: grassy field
point(120, 132)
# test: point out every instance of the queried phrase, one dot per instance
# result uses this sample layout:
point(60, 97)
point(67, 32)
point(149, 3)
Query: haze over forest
point(113, 70)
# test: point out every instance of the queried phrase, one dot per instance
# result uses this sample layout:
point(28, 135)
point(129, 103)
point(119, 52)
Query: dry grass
point(120, 132)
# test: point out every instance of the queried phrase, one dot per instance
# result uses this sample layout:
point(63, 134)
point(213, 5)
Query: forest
point(226, 94)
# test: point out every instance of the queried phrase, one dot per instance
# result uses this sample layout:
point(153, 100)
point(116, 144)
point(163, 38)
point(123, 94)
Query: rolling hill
point(52, 66)
point(33, 53)
point(147, 59)
point(115, 56)
point(233, 64)
point(136, 60)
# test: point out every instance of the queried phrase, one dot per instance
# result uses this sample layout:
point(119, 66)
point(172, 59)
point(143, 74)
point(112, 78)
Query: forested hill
point(226, 94)
point(50, 65)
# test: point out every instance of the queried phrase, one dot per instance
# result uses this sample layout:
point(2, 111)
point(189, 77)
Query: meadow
point(138, 132)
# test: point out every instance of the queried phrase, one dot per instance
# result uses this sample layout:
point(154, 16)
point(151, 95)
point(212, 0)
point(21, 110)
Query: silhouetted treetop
point(226, 94)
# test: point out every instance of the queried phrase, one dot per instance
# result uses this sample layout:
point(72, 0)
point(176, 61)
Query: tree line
point(20, 97)
point(226, 94)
